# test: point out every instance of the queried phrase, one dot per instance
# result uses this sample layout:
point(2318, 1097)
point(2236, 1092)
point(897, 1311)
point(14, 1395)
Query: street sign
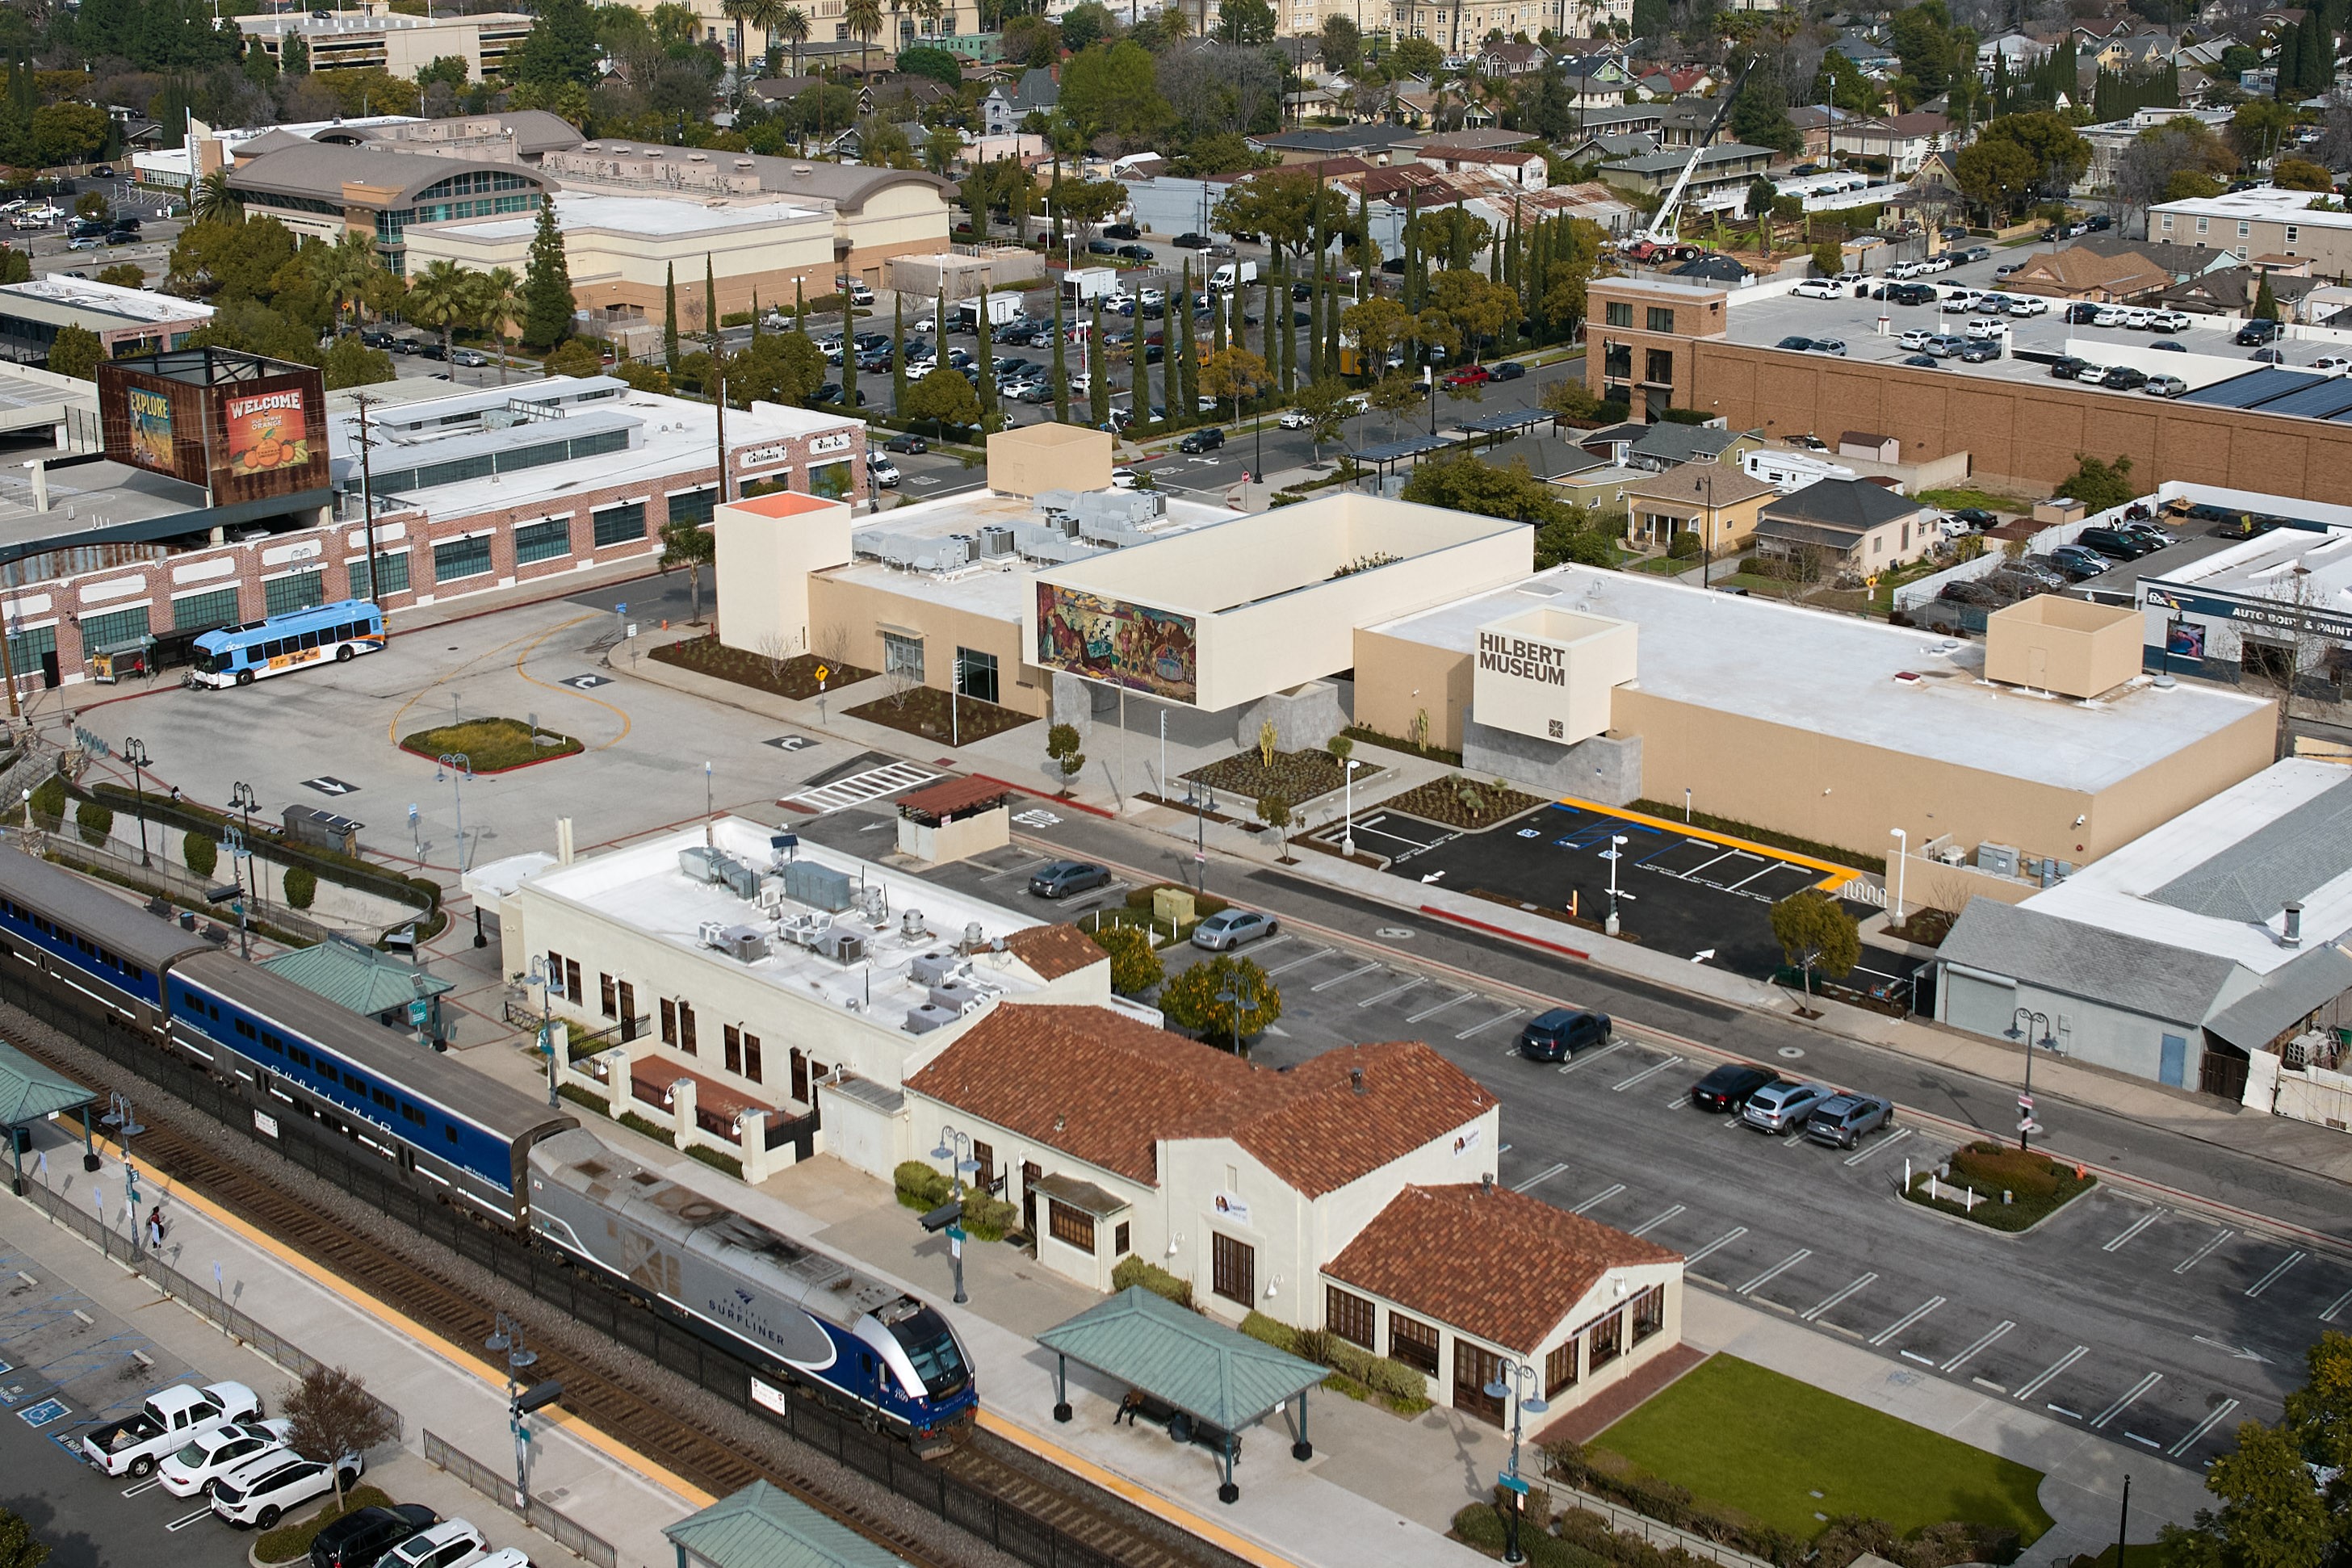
point(1511, 1483)
point(2025, 1104)
point(956, 1233)
point(418, 1011)
point(824, 674)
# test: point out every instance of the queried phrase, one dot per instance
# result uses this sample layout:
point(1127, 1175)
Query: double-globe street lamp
point(1512, 1381)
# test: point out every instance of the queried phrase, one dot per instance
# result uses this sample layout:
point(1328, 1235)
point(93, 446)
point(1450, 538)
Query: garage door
point(1981, 1007)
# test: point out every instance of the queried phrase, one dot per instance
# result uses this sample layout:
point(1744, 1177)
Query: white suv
point(259, 1493)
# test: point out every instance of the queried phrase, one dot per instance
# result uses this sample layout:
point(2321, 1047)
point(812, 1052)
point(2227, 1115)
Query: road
point(2156, 1322)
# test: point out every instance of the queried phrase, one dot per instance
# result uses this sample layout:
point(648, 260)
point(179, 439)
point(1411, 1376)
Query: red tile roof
point(1052, 951)
point(1105, 1089)
point(951, 796)
point(1501, 1265)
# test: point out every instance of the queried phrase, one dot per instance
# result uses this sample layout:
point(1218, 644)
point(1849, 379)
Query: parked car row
point(1767, 1102)
point(2120, 378)
point(2131, 318)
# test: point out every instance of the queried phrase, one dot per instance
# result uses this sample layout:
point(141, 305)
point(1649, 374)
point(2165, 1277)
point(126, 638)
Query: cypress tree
point(988, 408)
point(1097, 373)
point(2290, 63)
point(546, 287)
point(800, 308)
point(1061, 365)
point(1315, 369)
point(669, 319)
point(897, 351)
point(1180, 369)
point(755, 315)
point(1217, 318)
point(1363, 248)
point(1331, 333)
point(1290, 334)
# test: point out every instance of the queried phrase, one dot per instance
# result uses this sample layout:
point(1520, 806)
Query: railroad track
point(601, 1394)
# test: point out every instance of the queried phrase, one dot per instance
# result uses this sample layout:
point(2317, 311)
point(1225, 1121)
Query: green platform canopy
point(1219, 1378)
point(762, 1527)
point(30, 1092)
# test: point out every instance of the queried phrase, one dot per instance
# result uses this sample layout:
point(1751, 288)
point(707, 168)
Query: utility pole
point(367, 504)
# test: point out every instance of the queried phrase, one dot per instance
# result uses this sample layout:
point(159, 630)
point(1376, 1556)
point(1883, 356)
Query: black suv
point(1559, 1034)
point(2116, 544)
point(1190, 242)
point(357, 1540)
point(2261, 330)
point(1728, 1086)
point(1207, 440)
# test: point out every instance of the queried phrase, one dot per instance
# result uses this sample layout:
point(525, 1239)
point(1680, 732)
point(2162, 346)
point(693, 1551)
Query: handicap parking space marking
point(1504, 1016)
point(590, 682)
point(47, 1411)
point(1654, 1221)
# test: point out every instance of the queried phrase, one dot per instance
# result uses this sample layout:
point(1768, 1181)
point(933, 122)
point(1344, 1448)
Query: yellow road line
point(1140, 1496)
point(628, 1458)
point(571, 691)
point(1837, 875)
point(392, 729)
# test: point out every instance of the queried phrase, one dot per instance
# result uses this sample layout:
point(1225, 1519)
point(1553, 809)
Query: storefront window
point(831, 480)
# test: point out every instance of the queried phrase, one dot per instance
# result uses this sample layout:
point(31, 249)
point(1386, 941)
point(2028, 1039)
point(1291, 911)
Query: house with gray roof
point(1668, 445)
point(2211, 940)
point(1849, 527)
point(1006, 105)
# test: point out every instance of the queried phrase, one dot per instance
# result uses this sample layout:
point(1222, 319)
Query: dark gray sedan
point(1062, 878)
point(1842, 1118)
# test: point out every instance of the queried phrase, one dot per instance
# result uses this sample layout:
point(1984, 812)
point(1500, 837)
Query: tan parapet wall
point(1035, 458)
point(2071, 646)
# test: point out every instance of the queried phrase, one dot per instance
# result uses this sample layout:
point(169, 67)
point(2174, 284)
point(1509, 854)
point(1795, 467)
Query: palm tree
point(764, 15)
point(897, 29)
point(498, 301)
point(737, 12)
point(343, 269)
point(791, 25)
point(930, 11)
point(442, 297)
point(215, 201)
point(863, 18)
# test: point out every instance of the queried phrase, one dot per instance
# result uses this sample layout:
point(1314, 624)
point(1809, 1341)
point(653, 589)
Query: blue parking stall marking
point(46, 1412)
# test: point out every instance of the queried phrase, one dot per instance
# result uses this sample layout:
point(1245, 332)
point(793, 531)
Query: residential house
point(1903, 140)
point(1680, 82)
point(1867, 55)
point(2109, 140)
point(1721, 179)
point(1718, 503)
point(2182, 261)
point(2230, 291)
point(1666, 444)
point(2136, 52)
point(2078, 274)
point(1524, 171)
point(1510, 59)
point(1826, 129)
point(1851, 528)
point(1610, 147)
point(2021, 50)
point(1006, 107)
point(1375, 144)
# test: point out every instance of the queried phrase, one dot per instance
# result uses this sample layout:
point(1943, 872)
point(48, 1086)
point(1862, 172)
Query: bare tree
point(777, 649)
point(1218, 86)
point(335, 1418)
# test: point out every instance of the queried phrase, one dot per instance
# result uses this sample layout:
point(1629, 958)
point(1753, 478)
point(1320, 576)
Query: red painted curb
point(1041, 795)
point(493, 772)
point(1435, 913)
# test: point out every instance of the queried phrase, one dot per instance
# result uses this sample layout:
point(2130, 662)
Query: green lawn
point(1781, 1452)
point(1961, 498)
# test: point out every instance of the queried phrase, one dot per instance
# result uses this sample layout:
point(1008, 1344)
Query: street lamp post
point(457, 767)
point(134, 752)
point(1348, 832)
point(1511, 1383)
point(506, 1335)
point(233, 840)
point(2018, 1031)
point(956, 1147)
point(1429, 390)
point(1616, 852)
point(1238, 993)
point(1902, 863)
point(545, 979)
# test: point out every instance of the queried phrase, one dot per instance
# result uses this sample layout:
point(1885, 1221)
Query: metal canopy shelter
point(30, 1092)
point(1214, 1377)
point(1501, 423)
point(1389, 453)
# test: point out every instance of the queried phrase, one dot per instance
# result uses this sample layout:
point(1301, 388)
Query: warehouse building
point(126, 321)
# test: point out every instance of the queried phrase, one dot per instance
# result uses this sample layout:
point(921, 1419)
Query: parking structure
point(66, 1365)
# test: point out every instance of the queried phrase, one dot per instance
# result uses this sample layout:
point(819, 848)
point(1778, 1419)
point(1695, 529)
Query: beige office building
point(397, 43)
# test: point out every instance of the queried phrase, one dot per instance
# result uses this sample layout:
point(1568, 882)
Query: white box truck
point(1083, 285)
point(1001, 308)
point(1231, 274)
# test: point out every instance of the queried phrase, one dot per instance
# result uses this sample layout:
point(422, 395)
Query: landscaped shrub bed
point(491, 745)
point(923, 712)
point(2038, 1185)
point(1295, 776)
point(1852, 858)
point(1131, 1271)
point(1354, 1371)
point(292, 1543)
point(795, 677)
point(1395, 744)
point(922, 1189)
point(1460, 801)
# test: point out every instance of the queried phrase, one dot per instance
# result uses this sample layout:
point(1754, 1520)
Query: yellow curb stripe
point(628, 1458)
point(1838, 876)
point(1142, 1496)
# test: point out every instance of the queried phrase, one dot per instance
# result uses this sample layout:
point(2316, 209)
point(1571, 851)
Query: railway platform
point(282, 1301)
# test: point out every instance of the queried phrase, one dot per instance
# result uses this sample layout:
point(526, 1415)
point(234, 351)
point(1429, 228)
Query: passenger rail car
point(90, 948)
point(443, 1122)
point(753, 1292)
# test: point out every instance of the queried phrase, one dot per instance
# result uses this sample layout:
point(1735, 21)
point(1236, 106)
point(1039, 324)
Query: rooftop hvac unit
point(695, 862)
point(1952, 855)
point(802, 931)
point(869, 541)
point(922, 1020)
point(841, 944)
point(1055, 503)
point(736, 877)
point(873, 903)
point(817, 886)
point(910, 926)
point(995, 540)
point(957, 996)
point(2000, 860)
point(1120, 509)
point(744, 944)
point(936, 967)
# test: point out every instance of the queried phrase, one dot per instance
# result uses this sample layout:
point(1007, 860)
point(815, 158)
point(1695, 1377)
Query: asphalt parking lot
point(1691, 893)
point(70, 1365)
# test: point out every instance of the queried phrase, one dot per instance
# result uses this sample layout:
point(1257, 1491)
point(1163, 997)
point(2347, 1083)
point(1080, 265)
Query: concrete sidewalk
point(600, 1486)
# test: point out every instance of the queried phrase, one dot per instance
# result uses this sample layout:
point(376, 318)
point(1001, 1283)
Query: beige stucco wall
point(1034, 458)
point(764, 565)
point(611, 267)
point(2067, 646)
point(957, 840)
point(846, 614)
point(1397, 678)
point(910, 219)
point(1726, 527)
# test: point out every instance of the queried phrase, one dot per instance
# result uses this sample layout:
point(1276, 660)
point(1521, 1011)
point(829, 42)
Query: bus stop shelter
point(1213, 1380)
point(30, 1092)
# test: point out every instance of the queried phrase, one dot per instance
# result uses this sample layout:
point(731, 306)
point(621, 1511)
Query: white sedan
point(1818, 289)
point(214, 1454)
point(259, 1493)
point(1296, 419)
point(1122, 479)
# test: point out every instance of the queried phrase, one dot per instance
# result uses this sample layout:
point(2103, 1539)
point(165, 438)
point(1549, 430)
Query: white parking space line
point(2202, 1253)
point(2213, 1418)
point(143, 1487)
point(1826, 1302)
point(1644, 1074)
point(2120, 1406)
point(1654, 1221)
point(1906, 1319)
point(1298, 962)
point(1504, 1016)
point(2141, 1224)
point(1541, 1176)
point(1597, 1199)
point(1342, 979)
point(1726, 1239)
point(1681, 1101)
point(1015, 871)
point(2041, 1379)
point(1776, 1270)
point(1888, 1142)
point(2267, 1280)
point(186, 1519)
point(2336, 1306)
point(1453, 1001)
point(1612, 1047)
point(1983, 1343)
point(1412, 984)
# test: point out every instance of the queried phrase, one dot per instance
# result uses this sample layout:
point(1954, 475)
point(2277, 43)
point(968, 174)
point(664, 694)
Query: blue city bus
point(238, 655)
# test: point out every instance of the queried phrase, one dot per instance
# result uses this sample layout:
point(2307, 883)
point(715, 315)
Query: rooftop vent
point(2293, 935)
point(1356, 1079)
point(801, 171)
point(1907, 677)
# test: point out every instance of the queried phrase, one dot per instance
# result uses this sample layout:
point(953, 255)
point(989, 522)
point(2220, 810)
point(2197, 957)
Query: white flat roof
point(2114, 892)
point(650, 215)
point(2267, 565)
point(1837, 676)
point(2264, 204)
point(87, 294)
point(997, 587)
point(643, 887)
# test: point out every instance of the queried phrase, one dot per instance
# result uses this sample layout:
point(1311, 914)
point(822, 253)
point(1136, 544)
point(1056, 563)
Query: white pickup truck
point(170, 1417)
